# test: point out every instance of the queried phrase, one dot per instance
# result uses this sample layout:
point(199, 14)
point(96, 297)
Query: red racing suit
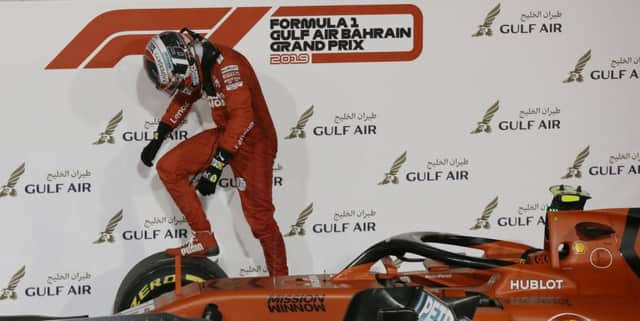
point(244, 128)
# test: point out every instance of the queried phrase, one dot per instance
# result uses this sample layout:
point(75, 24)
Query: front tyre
point(155, 275)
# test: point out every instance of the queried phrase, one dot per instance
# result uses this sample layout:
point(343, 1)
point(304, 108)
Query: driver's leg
point(175, 168)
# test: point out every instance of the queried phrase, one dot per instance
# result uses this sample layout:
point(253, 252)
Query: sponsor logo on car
point(296, 303)
point(159, 282)
point(601, 258)
point(520, 285)
point(430, 307)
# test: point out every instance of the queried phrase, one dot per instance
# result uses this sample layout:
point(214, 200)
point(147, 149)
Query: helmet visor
point(152, 72)
point(169, 87)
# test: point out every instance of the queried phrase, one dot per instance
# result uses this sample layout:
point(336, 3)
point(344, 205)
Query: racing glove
point(209, 179)
point(150, 151)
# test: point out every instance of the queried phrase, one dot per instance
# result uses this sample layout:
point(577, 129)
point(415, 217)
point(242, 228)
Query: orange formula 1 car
point(589, 269)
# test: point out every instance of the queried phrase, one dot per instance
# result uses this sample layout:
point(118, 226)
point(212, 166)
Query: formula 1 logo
point(115, 34)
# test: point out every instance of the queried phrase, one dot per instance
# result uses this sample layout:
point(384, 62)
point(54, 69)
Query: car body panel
point(586, 271)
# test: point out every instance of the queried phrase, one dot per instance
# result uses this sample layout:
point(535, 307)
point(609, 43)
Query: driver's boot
point(202, 243)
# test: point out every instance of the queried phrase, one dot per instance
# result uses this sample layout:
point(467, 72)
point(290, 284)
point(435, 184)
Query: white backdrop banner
point(450, 116)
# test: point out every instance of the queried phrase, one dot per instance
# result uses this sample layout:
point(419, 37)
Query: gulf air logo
point(115, 34)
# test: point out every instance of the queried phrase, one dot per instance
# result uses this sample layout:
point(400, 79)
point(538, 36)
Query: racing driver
point(189, 67)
